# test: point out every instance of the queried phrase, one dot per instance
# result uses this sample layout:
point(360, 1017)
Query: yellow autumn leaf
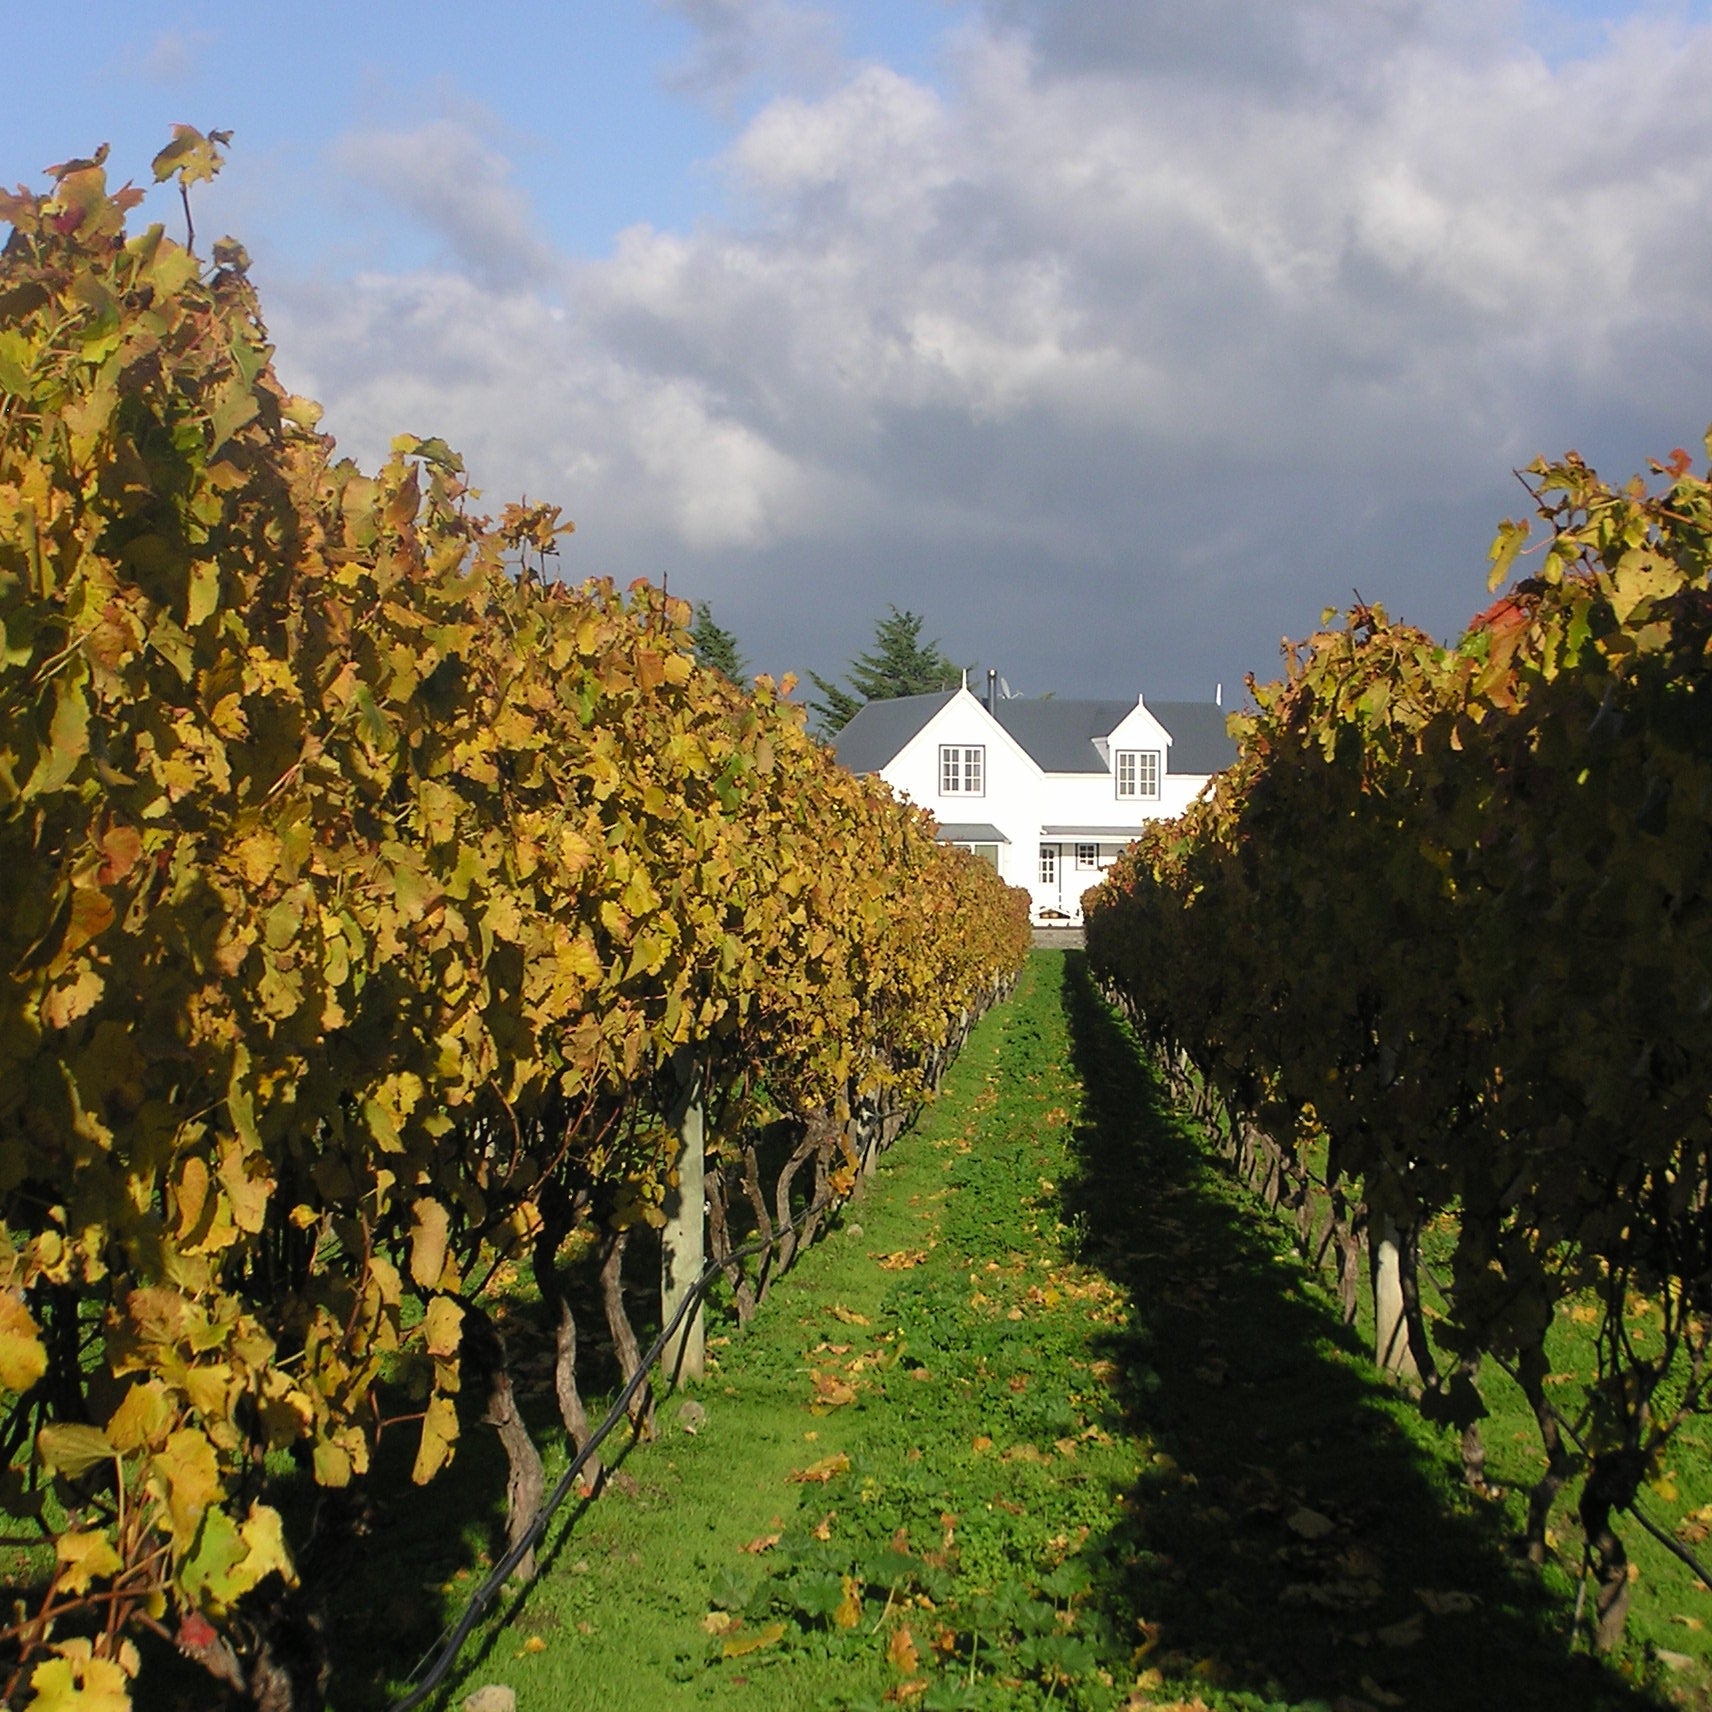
point(848, 1612)
point(442, 1326)
point(77, 1681)
point(430, 1227)
point(740, 1645)
point(902, 1652)
point(820, 1472)
point(23, 1357)
point(83, 1557)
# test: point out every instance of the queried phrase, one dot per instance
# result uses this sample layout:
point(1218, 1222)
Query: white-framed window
point(1137, 773)
point(962, 770)
point(1049, 864)
point(1087, 856)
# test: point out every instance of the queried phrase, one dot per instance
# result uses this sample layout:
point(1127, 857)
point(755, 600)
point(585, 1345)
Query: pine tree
point(715, 646)
point(899, 664)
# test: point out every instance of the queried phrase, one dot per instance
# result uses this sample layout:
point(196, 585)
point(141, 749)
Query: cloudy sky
point(1117, 337)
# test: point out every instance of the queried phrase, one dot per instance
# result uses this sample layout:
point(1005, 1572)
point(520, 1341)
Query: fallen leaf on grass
point(1409, 1633)
point(533, 1645)
point(765, 1543)
point(718, 1623)
point(900, 1260)
point(982, 1443)
point(848, 1315)
point(1448, 1603)
point(1309, 1524)
point(907, 1691)
point(919, 1373)
point(1333, 1595)
point(848, 1612)
point(831, 1392)
point(818, 1473)
point(901, 1651)
point(822, 1530)
point(740, 1646)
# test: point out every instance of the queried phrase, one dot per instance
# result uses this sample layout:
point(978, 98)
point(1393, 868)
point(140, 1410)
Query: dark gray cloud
point(1120, 355)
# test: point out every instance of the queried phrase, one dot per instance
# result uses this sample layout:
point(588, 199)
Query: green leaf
point(190, 155)
point(71, 1448)
point(1505, 546)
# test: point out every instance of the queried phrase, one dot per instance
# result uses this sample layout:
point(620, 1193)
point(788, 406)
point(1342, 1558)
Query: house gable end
point(963, 719)
point(1139, 728)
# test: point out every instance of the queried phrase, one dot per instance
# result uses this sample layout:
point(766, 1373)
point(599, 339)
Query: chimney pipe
point(992, 689)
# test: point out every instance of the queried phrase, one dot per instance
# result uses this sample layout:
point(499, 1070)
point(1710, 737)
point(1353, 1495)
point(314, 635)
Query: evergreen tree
point(899, 664)
point(715, 646)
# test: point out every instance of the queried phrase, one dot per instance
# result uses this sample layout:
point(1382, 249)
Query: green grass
point(1106, 1439)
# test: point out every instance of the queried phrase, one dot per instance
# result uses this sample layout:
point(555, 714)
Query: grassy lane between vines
point(1052, 1419)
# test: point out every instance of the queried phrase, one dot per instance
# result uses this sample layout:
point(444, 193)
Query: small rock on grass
point(494, 1697)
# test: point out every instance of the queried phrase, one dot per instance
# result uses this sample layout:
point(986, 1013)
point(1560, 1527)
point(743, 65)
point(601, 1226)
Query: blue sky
point(1116, 336)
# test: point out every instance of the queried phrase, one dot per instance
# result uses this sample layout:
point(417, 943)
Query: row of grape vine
point(1438, 948)
point(374, 903)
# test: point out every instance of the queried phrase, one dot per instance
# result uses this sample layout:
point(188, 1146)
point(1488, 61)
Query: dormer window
point(962, 770)
point(1137, 774)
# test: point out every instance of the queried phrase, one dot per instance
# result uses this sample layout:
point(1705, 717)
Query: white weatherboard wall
point(1024, 802)
point(1010, 797)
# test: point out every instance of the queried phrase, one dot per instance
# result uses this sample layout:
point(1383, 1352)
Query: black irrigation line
point(484, 1595)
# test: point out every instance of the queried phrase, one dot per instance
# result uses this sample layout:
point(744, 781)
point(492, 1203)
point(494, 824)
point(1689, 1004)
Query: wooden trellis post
point(683, 1242)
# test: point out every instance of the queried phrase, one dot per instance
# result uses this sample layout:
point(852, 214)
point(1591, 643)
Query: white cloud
point(448, 177)
point(1111, 346)
point(742, 45)
point(173, 56)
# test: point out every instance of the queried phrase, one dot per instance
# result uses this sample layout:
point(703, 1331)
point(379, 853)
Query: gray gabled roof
point(1198, 740)
point(880, 729)
point(1058, 735)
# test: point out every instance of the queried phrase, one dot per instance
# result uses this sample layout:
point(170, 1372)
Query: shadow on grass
point(1304, 1539)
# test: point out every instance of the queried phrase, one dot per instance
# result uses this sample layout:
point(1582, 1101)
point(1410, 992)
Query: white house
point(1047, 791)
